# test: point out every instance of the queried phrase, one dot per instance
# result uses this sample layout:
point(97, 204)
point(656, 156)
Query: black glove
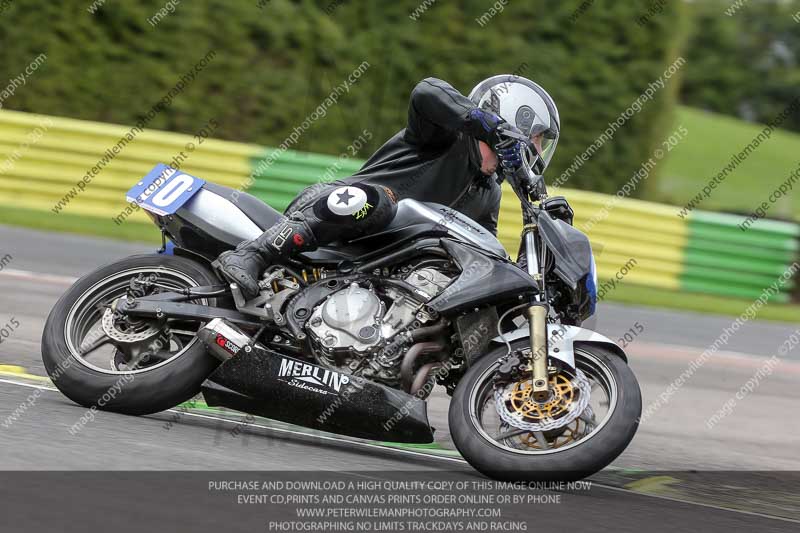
point(487, 126)
point(510, 155)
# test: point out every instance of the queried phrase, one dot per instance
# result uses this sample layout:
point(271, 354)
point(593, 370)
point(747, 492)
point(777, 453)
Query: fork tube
point(537, 319)
point(530, 251)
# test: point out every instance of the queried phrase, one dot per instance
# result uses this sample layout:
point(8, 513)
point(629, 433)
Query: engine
point(350, 318)
point(352, 326)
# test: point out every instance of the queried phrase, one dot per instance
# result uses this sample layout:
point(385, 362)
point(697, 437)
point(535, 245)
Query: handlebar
point(527, 185)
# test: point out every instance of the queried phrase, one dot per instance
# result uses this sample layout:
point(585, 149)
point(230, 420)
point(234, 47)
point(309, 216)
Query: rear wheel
point(590, 418)
point(99, 358)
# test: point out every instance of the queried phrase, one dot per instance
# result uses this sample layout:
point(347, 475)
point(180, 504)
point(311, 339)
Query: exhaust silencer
point(223, 340)
point(256, 380)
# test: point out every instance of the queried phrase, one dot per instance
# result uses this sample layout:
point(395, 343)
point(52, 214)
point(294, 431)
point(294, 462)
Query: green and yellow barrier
point(723, 259)
point(278, 182)
point(707, 252)
point(40, 173)
point(648, 233)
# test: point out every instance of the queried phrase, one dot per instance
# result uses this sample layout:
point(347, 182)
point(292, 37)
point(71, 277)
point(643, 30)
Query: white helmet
point(525, 105)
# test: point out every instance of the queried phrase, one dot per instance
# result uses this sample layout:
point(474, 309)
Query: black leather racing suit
point(434, 159)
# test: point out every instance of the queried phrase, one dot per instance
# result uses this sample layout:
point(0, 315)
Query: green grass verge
point(701, 303)
point(631, 294)
point(711, 142)
point(84, 225)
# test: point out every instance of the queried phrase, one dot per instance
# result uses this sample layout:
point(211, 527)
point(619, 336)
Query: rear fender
point(562, 341)
point(191, 254)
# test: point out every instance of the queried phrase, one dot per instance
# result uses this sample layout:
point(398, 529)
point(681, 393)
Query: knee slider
point(360, 205)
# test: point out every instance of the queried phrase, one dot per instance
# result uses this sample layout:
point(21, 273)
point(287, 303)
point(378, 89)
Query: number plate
point(164, 190)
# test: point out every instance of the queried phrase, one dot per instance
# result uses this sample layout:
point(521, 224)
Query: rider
point(448, 153)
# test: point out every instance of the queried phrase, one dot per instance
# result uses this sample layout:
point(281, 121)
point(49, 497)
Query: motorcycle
point(351, 338)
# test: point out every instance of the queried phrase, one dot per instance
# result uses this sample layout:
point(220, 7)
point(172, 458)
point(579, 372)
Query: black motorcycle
point(352, 338)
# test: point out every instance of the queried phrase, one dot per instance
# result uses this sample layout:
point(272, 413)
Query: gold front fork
point(537, 318)
point(537, 321)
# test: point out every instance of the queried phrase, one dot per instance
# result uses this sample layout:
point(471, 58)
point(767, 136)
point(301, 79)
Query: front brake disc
point(518, 408)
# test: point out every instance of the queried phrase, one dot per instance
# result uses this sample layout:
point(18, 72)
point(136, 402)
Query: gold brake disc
point(562, 394)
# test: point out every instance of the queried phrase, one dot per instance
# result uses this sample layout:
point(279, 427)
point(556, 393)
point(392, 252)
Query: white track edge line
point(37, 276)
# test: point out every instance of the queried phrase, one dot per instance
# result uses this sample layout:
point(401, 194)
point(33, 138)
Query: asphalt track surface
point(674, 444)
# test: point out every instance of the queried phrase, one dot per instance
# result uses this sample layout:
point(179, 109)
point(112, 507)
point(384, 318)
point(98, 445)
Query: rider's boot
point(276, 245)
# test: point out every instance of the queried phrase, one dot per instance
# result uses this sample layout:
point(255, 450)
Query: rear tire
point(584, 459)
point(141, 392)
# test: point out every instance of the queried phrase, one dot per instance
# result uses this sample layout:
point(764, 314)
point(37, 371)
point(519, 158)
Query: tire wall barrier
point(43, 159)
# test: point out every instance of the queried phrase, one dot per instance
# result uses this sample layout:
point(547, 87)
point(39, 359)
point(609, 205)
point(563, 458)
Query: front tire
point(570, 462)
point(140, 391)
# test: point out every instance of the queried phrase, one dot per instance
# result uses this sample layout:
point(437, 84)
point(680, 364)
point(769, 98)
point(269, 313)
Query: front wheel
point(102, 360)
point(590, 418)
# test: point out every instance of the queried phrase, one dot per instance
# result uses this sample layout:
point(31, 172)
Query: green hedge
point(275, 64)
point(744, 62)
